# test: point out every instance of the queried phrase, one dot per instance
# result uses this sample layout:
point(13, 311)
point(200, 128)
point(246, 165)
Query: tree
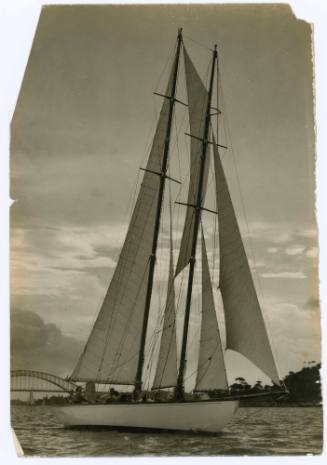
point(304, 385)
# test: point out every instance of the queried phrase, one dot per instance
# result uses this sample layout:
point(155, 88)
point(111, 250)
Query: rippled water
point(253, 431)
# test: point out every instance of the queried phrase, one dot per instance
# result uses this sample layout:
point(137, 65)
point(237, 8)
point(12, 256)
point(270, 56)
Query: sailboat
point(115, 351)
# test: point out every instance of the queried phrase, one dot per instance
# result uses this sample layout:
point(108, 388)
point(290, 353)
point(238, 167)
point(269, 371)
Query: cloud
point(295, 334)
point(49, 260)
point(272, 249)
point(285, 275)
point(41, 346)
point(263, 230)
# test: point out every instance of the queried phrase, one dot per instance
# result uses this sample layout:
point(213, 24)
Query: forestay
point(197, 103)
point(111, 352)
point(245, 327)
point(211, 372)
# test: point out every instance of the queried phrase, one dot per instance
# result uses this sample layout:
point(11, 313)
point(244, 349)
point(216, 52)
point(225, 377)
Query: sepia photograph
point(164, 264)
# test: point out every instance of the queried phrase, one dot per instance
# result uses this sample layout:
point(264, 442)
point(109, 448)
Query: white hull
point(210, 416)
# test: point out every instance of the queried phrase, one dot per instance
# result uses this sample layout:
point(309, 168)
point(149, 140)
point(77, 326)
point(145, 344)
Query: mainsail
point(245, 327)
point(211, 372)
point(197, 103)
point(166, 371)
point(111, 352)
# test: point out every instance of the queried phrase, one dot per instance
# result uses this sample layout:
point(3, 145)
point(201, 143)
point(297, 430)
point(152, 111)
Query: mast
point(198, 207)
point(152, 259)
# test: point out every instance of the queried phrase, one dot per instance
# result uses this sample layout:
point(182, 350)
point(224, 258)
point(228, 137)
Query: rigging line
point(160, 273)
point(169, 293)
point(191, 375)
point(215, 218)
point(187, 174)
point(152, 346)
point(171, 54)
point(177, 209)
point(153, 341)
point(195, 311)
point(179, 294)
point(214, 243)
point(158, 270)
point(178, 129)
point(172, 334)
point(148, 369)
point(153, 338)
point(218, 101)
point(132, 200)
point(160, 319)
point(120, 366)
point(178, 158)
point(208, 363)
point(177, 143)
point(199, 44)
point(161, 315)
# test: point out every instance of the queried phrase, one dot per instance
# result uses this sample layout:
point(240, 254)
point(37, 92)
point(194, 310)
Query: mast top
point(180, 30)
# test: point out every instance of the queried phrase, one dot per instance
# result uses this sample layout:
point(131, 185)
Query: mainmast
point(198, 208)
point(163, 176)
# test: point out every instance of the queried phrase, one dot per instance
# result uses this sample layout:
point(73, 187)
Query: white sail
point(245, 327)
point(111, 353)
point(166, 371)
point(211, 372)
point(197, 103)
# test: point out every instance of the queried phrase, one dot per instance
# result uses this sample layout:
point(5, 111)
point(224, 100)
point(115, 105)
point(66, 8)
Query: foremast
point(197, 218)
point(163, 177)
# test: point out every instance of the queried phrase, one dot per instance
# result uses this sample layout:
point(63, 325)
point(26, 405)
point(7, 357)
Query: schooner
point(115, 350)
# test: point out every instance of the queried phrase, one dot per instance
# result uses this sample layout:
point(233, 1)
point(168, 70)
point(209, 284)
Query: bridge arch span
point(64, 384)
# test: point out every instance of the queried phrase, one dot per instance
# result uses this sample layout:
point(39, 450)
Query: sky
point(81, 130)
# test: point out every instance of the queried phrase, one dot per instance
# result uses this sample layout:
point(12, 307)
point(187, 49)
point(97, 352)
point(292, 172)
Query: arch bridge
point(39, 381)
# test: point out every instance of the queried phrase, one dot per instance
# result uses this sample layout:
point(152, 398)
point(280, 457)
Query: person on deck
point(113, 395)
point(78, 396)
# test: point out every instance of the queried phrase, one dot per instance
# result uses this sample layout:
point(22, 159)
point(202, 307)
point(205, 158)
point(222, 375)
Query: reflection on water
point(253, 431)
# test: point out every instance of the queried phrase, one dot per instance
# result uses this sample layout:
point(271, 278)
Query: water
point(253, 431)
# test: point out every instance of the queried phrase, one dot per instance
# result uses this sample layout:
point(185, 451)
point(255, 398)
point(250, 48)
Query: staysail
point(245, 327)
point(211, 372)
point(166, 371)
point(111, 353)
point(197, 103)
